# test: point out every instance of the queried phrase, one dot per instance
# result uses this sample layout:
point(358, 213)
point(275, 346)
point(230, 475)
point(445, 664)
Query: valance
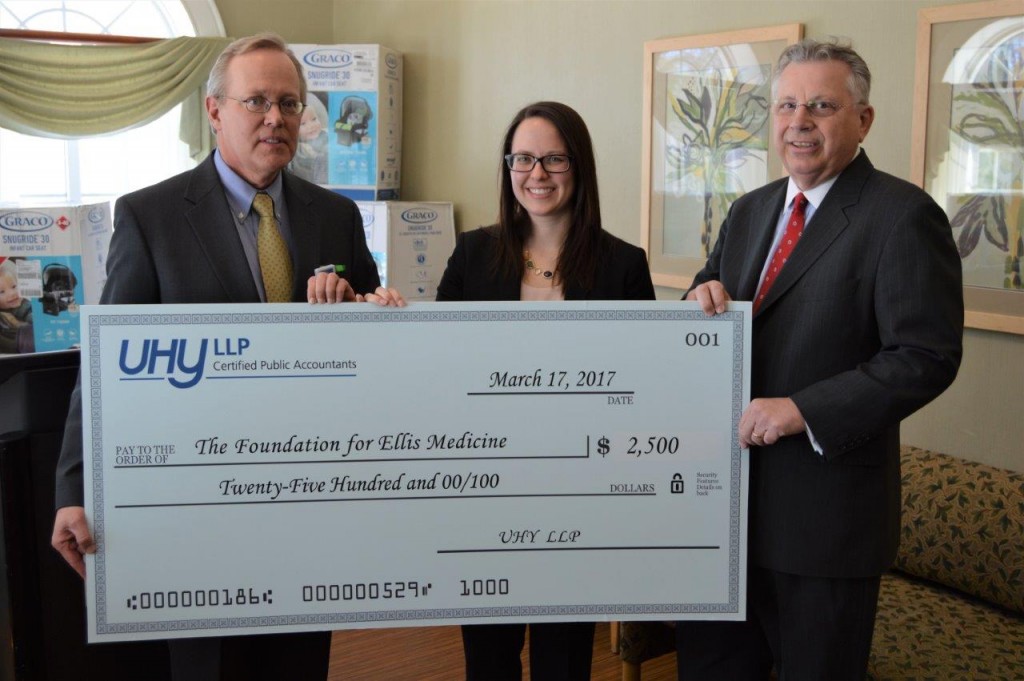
point(71, 91)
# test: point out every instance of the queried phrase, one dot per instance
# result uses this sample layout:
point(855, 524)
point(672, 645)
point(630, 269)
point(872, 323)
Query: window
point(37, 171)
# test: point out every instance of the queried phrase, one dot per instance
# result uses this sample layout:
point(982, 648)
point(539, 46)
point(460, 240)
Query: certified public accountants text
point(284, 365)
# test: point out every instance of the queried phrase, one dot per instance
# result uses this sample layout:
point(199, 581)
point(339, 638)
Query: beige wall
point(469, 65)
point(299, 21)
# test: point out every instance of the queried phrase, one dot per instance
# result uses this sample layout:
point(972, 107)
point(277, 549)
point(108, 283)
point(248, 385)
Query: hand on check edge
point(712, 297)
point(72, 538)
point(385, 297)
point(329, 288)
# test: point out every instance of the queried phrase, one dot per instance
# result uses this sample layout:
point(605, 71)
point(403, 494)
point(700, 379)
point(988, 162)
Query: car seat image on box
point(353, 120)
point(58, 288)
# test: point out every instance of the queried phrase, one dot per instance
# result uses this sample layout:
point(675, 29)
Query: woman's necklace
point(531, 267)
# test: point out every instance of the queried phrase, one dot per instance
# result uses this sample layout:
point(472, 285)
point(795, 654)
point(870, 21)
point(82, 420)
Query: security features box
point(350, 137)
point(410, 242)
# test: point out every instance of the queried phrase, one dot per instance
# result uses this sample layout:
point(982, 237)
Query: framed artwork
point(706, 139)
point(968, 147)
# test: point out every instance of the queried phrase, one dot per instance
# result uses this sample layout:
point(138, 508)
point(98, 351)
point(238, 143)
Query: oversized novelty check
point(259, 468)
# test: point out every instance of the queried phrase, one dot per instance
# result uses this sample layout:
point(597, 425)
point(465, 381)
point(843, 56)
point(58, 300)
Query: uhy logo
point(176, 359)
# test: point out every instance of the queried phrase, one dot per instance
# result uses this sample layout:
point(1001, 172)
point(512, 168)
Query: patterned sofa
point(953, 605)
point(952, 608)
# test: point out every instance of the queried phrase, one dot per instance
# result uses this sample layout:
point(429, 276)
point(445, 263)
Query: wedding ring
point(758, 435)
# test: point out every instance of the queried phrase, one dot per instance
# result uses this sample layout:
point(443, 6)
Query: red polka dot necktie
point(275, 261)
point(794, 229)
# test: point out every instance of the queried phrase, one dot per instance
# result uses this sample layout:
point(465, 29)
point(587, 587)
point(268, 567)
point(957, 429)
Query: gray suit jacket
point(862, 327)
point(176, 242)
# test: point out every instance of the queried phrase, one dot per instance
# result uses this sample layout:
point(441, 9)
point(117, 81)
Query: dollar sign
point(602, 446)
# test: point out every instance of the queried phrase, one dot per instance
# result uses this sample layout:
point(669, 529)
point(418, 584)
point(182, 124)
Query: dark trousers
point(808, 628)
point(559, 651)
point(270, 657)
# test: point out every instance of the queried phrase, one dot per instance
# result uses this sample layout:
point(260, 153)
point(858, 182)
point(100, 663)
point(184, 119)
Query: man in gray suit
point(855, 328)
point(194, 239)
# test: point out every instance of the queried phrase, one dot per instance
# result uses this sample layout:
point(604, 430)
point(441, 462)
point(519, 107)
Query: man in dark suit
point(855, 329)
point(197, 238)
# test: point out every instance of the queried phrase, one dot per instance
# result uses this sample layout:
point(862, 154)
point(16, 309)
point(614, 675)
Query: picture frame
point(967, 148)
point(706, 139)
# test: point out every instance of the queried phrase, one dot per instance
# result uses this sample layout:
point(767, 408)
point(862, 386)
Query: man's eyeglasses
point(260, 104)
point(819, 108)
point(524, 163)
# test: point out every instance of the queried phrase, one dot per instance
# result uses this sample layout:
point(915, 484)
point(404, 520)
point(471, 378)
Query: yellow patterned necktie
point(275, 261)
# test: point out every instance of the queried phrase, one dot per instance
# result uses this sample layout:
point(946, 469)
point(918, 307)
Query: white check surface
point(263, 468)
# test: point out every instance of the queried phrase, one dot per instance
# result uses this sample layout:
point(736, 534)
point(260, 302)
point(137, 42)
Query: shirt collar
point(814, 195)
point(239, 192)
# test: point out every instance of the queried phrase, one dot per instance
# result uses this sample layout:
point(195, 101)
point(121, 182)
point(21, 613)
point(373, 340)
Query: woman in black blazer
point(548, 245)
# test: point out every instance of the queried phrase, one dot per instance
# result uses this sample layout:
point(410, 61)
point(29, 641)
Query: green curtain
point(72, 91)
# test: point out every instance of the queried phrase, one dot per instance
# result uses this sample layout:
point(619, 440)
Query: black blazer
point(176, 242)
point(862, 327)
point(622, 272)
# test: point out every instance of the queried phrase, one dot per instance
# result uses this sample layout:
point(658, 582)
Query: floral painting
point(715, 148)
point(706, 140)
point(987, 145)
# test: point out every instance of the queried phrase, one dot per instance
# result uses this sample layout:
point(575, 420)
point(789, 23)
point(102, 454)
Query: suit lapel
point(760, 240)
point(303, 221)
point(211, 223)
point(827, 223)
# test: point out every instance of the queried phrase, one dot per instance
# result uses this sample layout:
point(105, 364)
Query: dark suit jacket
point(176, 242)
point(862, 327)
point(622, 272)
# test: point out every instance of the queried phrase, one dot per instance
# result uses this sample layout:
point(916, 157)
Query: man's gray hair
point(810, 50)
point(216, 85)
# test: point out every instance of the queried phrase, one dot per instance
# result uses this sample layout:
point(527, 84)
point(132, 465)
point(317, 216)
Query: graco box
point(51, 261)
point(410, 242)
point(350, 139)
